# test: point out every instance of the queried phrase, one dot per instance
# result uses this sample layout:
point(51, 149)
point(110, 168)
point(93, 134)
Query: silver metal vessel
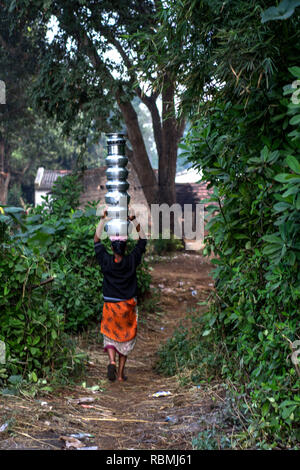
point(117, 198)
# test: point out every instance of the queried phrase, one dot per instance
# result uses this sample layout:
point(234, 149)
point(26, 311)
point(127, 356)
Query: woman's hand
point(100, 225)
point(104, 213)
point(131, 214)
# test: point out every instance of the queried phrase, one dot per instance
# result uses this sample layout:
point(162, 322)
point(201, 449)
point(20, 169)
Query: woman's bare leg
point(122, 361)
point(111, 355)
point(111, 368)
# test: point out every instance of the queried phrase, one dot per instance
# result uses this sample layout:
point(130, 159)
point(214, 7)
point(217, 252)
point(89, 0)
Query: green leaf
point(36, 340)
point(34, 376)
point(270, 249)
point(34, 351)
point(295, 71)
point(287, 403)
point(12, 6)
point(272, 239)
point(265, 408)
point(206, 333)
point(281, 206)
point(291, 258)
point(53, 334)
point(283, 11)
point(293, 163)
point(15, 379)
point(240, 236)
point(295, 120)
point(5, 219)
point(291, 190)
point(282, 177)
point(286, 413)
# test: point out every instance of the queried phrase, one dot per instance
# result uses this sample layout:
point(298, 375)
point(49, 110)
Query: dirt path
point(124, 415)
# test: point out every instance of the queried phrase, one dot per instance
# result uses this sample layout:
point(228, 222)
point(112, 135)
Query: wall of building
point(94, 188)
point(38, 196)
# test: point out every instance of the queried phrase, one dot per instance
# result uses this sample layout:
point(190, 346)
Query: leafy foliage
point(245, 140)
point(89, 74)
point(284, 10)
point(222, 48)
point(29, 328)
point(51, 284)
point(166, 244)
point(209, 440)
point(254, 228)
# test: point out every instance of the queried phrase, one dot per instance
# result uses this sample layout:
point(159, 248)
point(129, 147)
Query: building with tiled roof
point(44, 181)
point(94, 188)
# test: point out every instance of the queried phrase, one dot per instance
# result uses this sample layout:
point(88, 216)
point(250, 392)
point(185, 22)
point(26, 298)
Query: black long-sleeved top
point(119, 279)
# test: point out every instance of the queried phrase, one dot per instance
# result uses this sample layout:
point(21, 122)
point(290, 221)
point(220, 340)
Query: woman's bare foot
point(122, 378)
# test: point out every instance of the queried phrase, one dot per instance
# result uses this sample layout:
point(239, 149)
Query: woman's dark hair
point(119, 247)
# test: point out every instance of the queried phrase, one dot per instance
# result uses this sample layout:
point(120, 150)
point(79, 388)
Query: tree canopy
point(91, 71)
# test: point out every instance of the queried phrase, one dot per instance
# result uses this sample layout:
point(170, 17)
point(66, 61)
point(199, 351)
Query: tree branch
point(50, 279)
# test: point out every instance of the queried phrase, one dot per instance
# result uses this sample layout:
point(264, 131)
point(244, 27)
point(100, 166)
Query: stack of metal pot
point(117, 198)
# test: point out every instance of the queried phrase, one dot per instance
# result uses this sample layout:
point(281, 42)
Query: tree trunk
point(139, 159)
point(4, 182)
point(167, 162)
point(4, 176)
point(165, 133)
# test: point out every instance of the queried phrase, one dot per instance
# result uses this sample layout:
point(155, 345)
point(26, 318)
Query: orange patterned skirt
point(119, 320)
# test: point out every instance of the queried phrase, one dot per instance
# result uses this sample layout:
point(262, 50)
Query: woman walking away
point(120, 315)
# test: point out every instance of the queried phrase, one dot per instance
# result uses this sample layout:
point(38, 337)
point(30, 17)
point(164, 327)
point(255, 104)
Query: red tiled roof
point(50, 176)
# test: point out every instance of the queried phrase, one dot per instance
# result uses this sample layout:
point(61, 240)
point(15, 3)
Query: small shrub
point(163, 245)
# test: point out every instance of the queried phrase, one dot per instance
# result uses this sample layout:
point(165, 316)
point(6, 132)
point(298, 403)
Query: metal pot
point(116, 160)
point(116, 144)
point(117, 227)
point(116, 185)
point(116, 173)
point(117, 212)
point(117, 197)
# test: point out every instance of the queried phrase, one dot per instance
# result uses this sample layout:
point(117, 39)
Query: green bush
point(185, 348)
point(253, 323)
point(210, 440)
point(163, 245)
point(30, 325)
point(51, 283)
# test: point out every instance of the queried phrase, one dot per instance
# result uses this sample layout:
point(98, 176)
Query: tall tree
point(79, 74)
point(224, 49)
point(17, 66)
point(44, 144)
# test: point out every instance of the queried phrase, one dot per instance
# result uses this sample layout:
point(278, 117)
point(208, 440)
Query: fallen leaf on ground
point(71, 442)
